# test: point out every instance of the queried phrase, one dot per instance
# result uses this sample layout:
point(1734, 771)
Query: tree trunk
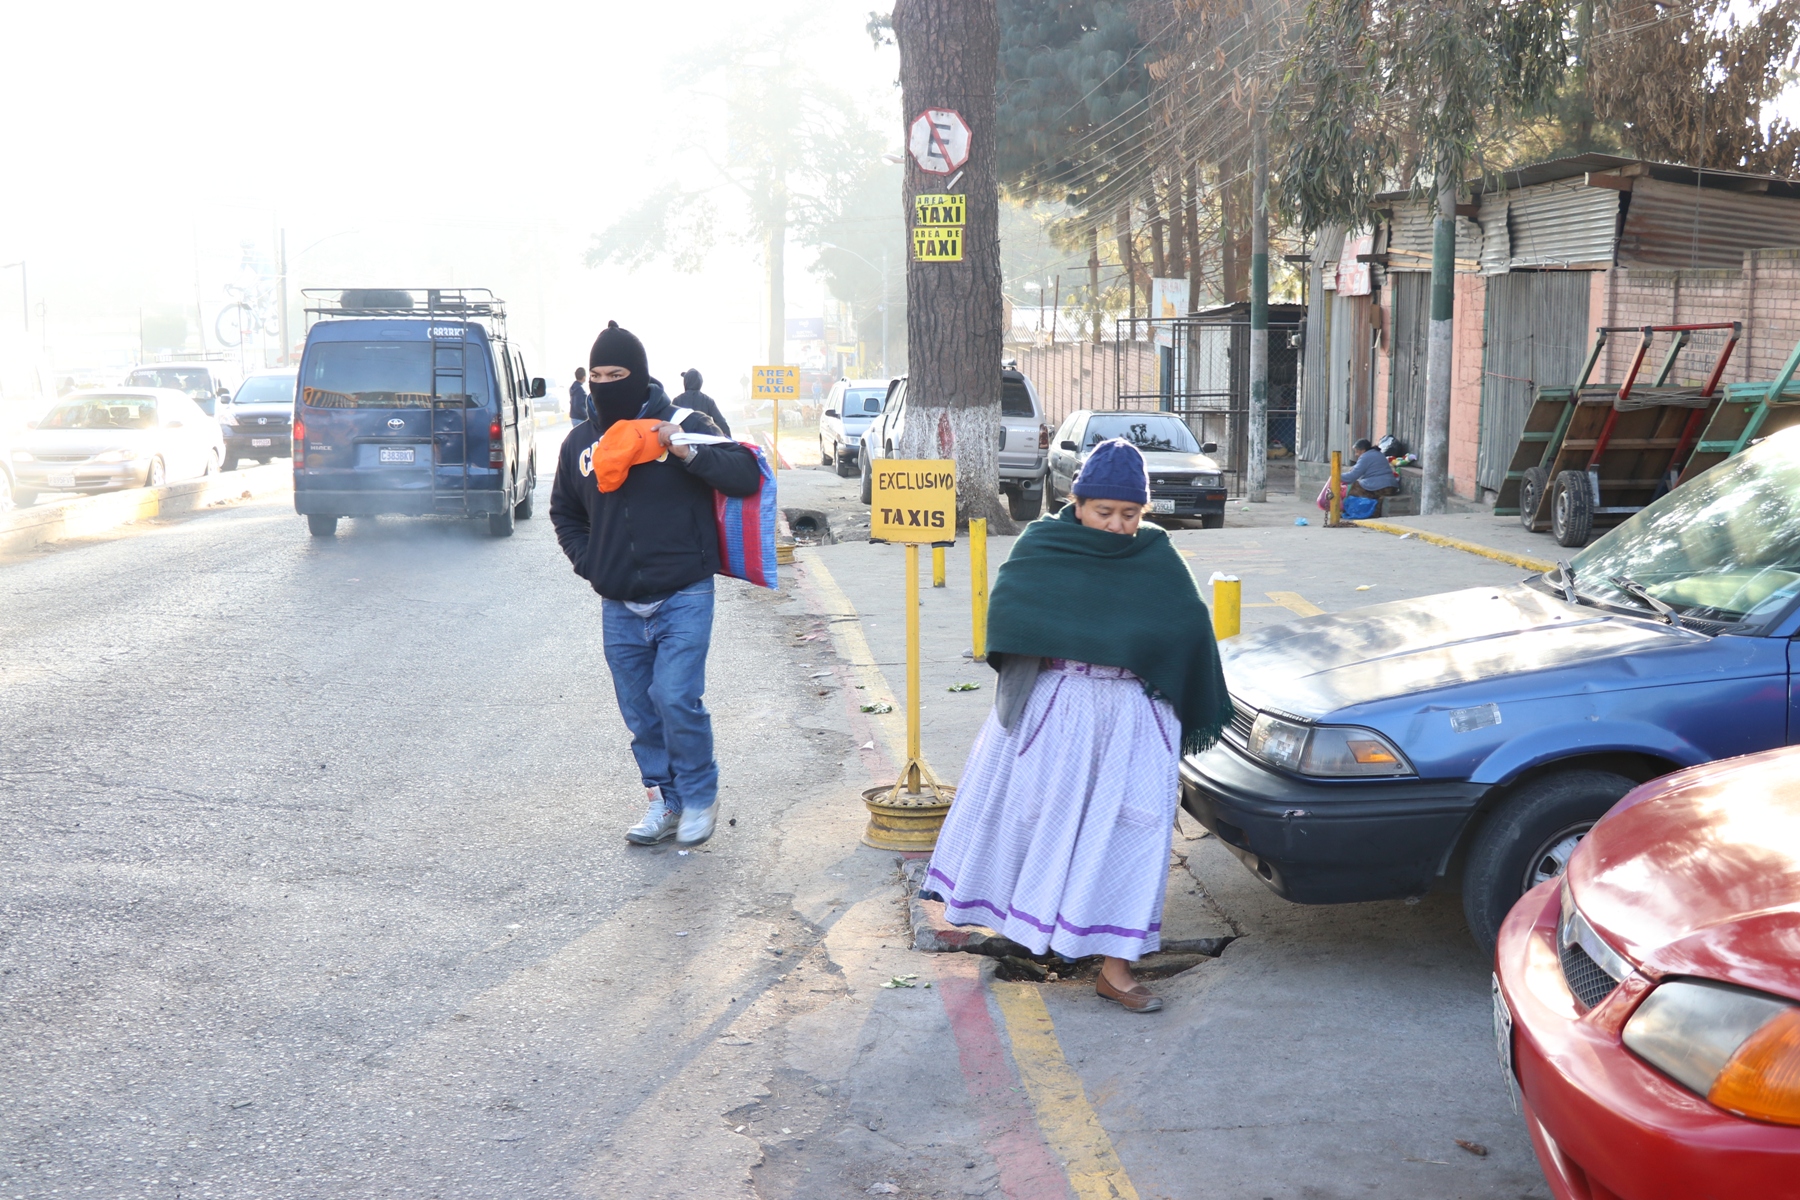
point(1258, 466)
point(1177, 232)
point(1158, 229)
point(950, 58)
point(1434, 458)
point(1134, 270)
point(1191, 205)
point(1228, 259)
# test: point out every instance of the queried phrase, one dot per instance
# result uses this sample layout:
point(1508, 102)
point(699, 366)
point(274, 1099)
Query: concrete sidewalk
point(1331, 1051)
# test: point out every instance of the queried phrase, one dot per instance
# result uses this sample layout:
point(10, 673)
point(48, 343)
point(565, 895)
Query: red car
point(1647, 1002)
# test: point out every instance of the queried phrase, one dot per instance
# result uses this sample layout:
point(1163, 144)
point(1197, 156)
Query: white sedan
point(102, 440)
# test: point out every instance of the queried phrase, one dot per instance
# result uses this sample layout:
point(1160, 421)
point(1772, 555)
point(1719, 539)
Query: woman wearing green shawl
point(1059, 837)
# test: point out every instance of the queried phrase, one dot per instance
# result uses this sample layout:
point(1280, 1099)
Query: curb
point(1455, 543)
point(28, 528)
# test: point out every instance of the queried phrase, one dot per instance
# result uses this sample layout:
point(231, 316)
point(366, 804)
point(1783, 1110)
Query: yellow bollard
point(1228, 606)
point(978, 586)
point(912, 667)
point(937, 566)
point(1337, 488)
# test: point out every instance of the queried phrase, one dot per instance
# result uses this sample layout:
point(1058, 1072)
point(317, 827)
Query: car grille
point(248, 425)
point(1242, 719)
point(61, 458)
point(1585, 977)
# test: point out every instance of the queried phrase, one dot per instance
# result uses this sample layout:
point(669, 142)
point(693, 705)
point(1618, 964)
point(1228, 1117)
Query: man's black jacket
point(701, 402)
point(657, 533)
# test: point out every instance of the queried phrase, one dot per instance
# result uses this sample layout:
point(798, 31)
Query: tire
point(840, 465)
point(23, 497)
point(1531, 495)
point(1212, 520)
point(523, 509)
point(1527, 840)
point(213, 466)
point(501, 524)
point(1571, 509)
point(1025, 504)
point(826, 457)
point(1051, 504)
point(868, 480)
point(321, 527)
point(157, 475)
point(229, 462)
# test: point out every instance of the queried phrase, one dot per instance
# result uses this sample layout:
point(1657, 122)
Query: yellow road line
point(853, 648)
point(1295, 602)
point(1456, 543)
point(1067, 1120)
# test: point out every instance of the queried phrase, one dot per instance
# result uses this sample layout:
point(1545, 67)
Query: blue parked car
point(1378, 752)
point(413, 402)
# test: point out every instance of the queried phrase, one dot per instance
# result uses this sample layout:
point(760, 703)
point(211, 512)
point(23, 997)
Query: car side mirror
point(223, 393)
point(1067, 445)
point(1209, 447)
point(537, 388)
point(831, 412)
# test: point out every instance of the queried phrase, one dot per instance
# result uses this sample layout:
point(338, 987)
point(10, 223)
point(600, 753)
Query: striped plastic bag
point(747, 528)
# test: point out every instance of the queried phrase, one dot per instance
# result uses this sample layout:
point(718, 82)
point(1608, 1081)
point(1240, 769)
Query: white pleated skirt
point(1059, 836)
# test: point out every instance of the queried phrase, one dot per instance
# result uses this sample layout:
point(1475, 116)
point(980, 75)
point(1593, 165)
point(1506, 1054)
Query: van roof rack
point(455, 303)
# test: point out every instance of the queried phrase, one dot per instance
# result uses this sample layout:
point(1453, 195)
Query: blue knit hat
point(1114, 471)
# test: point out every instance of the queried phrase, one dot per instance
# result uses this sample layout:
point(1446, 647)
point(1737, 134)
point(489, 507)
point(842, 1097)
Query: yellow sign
point(774, 383)
point(938, 243)
point(913, 500)
point(939, 210)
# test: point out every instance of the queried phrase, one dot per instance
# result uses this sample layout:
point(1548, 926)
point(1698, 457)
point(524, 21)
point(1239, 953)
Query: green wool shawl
point(1067, 591)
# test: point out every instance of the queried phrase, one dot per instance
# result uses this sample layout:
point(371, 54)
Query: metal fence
point(1201, 371)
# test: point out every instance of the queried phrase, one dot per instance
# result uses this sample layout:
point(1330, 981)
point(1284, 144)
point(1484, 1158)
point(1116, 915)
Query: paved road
point(312, 884)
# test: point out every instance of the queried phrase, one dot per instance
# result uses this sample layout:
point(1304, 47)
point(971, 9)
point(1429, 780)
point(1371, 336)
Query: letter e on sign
point(912, 500)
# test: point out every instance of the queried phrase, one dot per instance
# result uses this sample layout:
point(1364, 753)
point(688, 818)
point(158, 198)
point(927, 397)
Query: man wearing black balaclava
point(650, 549)
point(699, 401)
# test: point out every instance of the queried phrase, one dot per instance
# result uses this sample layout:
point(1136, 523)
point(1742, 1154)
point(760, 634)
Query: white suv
point(1024, 441)
point(851, 408)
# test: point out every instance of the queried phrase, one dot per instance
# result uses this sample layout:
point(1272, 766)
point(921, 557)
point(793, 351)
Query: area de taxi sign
point(939, 209)
point(937, 243)
point(912, 500)
point(774, 383)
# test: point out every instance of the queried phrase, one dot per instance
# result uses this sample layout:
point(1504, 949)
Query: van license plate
point(63, 481)
point(396, 454)
point(262, 441)
point(1162, 506)
point(1503, 1041)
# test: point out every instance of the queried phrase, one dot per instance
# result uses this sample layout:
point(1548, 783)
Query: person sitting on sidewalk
point(1059, 837)
point(650, 547)
point(1373, 475)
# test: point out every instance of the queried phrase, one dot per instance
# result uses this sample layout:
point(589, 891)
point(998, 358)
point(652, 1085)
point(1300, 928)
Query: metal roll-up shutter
point(1411, 334)
point(1536, 335)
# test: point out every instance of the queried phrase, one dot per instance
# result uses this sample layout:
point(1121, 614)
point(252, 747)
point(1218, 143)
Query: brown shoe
point(1137, 999)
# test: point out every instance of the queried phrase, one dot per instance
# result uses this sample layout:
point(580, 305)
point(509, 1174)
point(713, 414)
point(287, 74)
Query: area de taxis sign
point(774, 383)
point(912, 500)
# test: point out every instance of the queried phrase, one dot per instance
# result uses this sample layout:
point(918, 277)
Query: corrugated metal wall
point(1409, 240)
point(1315, 380)
point(1675, 225)
point(1412, 325)
point(1561, 224)
point(1350, 409)
point(1536, 331)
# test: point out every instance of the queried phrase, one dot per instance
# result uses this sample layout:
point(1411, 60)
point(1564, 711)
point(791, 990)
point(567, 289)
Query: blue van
point(411, 401)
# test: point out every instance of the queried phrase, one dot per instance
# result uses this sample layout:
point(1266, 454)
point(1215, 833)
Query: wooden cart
point(1593, 454)
point(1748, 413)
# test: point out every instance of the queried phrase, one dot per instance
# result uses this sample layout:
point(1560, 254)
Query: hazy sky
point(404, 144)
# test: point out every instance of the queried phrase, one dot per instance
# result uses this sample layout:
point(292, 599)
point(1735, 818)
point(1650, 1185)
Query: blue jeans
point(659, 676)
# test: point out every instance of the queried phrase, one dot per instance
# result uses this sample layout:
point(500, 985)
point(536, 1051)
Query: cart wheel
point(1571, 509)
point(1531, 495)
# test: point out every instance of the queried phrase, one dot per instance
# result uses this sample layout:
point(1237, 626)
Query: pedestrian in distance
point(649, 546)
point(698, 400)
point(1059, 837)
point(578, 397)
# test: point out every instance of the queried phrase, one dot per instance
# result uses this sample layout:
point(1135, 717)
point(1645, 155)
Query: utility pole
point(1435, 453)
point(281, 294)
point(1258, 451)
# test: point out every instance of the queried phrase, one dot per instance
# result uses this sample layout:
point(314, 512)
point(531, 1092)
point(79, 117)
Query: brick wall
point(1764, 294)
point(1465, 381)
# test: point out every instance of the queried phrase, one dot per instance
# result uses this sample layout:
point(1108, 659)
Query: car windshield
point(862, 402)
point(1144, 432)
point(389, 375)
point(1015, 400)
point(195, 381)
point(266, 389)
point(102, 412)
point(1724, 547)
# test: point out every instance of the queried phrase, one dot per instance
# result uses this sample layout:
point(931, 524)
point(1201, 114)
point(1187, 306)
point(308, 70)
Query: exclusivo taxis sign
point(912, 500)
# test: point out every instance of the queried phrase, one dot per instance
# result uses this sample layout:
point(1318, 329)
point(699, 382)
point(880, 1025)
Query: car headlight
point(1209, 480)
point(1331, 751)
point(226, 417)
point(113, 456)
point(22, 456)
point(1738, 1048)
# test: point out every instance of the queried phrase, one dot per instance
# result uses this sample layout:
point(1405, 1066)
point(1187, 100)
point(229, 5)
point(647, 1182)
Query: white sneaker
point(697, 825)
point(659, 823)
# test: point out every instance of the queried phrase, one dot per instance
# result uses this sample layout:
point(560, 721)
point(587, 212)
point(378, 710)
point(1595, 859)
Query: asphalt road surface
point(312, 883)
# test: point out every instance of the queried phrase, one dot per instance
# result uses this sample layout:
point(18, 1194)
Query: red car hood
point(1698, 873)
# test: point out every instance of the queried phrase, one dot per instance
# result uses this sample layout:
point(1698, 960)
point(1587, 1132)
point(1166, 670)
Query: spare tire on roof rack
point(375, 298)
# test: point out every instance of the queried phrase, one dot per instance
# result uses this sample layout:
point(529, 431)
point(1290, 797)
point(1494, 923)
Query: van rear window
point(389, 375)
point(1015, 401)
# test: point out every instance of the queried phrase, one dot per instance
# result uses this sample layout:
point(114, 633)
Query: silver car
point(117, 438)
point(851, 406)
point(1185, 480)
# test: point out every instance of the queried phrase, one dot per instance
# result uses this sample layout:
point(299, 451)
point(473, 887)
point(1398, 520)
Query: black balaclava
point(621, 400)
point(690, 379)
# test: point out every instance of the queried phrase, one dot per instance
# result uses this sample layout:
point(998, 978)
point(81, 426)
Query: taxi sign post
point(775, 384)
point(913, 501)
